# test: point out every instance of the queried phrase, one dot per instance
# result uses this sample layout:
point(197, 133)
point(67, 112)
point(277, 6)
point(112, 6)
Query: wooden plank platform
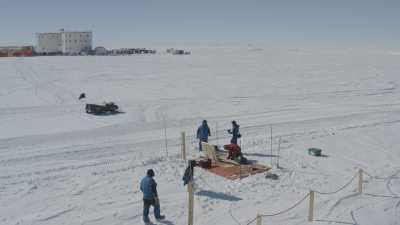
point(228, 168)
point(233, 172)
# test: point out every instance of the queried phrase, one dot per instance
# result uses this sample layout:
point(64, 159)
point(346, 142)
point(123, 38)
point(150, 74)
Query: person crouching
point(233, 151)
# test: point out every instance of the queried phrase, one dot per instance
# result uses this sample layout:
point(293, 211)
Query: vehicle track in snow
point(396, 213)
point(100, 152)
point(396, 207)
point(389, 181)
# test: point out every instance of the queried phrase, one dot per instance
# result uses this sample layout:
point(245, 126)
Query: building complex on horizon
point(63, 42)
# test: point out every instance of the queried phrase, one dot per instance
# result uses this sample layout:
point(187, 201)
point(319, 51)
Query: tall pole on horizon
point(216, 132)
point(165, 135)
point(279, 153)
point(271, 146)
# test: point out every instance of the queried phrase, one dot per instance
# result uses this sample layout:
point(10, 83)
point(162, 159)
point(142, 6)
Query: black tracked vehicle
point(106, 108)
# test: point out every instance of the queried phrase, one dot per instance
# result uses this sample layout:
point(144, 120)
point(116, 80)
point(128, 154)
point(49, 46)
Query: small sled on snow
point(315, 152)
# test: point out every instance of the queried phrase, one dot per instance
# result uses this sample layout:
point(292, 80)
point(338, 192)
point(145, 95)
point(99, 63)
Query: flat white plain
point(60, 165)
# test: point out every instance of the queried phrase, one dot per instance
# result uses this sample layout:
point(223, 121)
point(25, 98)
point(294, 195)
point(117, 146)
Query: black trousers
point(146, 208)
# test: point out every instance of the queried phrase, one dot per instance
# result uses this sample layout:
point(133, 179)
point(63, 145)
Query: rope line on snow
point(381, 196)
point(319, 192)
point(329, 193)
point(283, 211)
point(251, 221)
point(287, 210)
point(340, 189)
point(230, 213)
point(382, 178)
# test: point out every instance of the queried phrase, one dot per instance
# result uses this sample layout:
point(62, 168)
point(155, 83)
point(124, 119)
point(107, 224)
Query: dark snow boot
point(162, 217)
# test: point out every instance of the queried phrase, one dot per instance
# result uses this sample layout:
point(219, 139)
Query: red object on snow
point(16, 51)
point(234, 151)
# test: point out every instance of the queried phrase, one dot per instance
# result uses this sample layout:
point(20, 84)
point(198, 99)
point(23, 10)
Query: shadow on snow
point(219, 195)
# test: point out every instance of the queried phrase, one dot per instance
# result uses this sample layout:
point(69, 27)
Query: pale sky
point(133, 21)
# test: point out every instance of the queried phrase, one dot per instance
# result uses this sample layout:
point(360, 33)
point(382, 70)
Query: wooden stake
point(183, 147)
point(360, 181)
point(311, 209)
point(191, 201)
point(259, 219)
point(240, 171)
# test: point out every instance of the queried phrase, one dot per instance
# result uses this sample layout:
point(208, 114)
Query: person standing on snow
point(203, 132)
point(235, 132)
point(150, 197)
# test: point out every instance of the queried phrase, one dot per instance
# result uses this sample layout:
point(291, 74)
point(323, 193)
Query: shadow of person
point(260, 155)
point(335, 221)
point(166, 222)
point(218, 195)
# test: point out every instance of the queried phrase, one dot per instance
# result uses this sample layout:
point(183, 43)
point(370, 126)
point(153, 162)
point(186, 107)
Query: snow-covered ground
point(60, 165)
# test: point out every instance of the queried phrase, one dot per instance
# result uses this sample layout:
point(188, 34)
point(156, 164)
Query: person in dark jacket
point(235, 132)
point(203, 132)
point(150, 197)
point(82, 95)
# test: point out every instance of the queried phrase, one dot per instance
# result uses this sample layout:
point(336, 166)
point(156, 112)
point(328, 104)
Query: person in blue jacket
point(235, 132)
point(150, 197)
point(203, 132)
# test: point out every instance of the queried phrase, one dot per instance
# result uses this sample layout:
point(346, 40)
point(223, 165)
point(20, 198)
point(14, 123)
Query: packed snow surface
point(60, 165)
